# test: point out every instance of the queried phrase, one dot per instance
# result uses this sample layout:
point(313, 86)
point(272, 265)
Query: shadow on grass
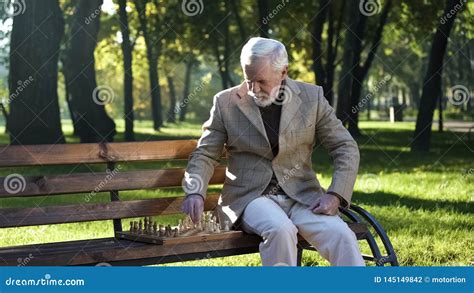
point(389, 199)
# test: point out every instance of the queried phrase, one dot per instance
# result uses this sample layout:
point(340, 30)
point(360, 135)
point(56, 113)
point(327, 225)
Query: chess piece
point(218, 228)
point(131, 226)
point(176, 232)
point(140, 227)
point(226, 225)
point(162, 231)
point(155, 227)
point(135, 226)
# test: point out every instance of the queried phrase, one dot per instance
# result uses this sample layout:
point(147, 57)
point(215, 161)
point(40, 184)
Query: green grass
point(425, 202)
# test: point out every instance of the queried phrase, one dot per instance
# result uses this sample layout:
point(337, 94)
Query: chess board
point(187, 237)
point(207, 229)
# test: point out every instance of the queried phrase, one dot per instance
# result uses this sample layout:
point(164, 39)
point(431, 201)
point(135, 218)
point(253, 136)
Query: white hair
point(257, 47)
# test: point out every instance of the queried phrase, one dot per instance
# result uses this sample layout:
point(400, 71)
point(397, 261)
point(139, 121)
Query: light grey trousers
point(278, 219)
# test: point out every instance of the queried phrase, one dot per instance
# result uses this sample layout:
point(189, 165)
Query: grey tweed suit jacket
point(235, 124)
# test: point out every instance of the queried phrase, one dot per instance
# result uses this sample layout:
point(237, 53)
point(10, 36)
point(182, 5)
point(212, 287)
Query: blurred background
point(108, 65)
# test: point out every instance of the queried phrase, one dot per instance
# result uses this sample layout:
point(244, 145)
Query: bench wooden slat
point(124, 252)
point(102, 182)
point(112, 250)
point(18, 217)
point(44, 155)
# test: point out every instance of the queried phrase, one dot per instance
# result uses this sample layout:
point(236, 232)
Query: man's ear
point(284, 72)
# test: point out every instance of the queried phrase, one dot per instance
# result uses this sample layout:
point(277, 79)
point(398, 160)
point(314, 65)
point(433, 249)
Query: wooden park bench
point(116, 251)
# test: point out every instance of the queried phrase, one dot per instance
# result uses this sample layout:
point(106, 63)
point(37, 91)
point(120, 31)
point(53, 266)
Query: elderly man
point(269, 126)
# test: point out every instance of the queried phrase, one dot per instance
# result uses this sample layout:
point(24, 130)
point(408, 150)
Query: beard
point(262, 99)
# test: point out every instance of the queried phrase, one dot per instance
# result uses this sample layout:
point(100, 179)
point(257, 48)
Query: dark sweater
point(271, 120)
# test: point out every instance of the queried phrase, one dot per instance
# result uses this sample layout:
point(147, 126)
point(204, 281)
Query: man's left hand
point(327, 204)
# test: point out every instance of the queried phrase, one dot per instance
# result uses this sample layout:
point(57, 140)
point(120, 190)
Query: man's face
point(263, 81)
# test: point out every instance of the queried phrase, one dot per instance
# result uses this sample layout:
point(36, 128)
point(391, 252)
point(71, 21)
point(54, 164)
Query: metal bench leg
point(299, 256)
point(369, 237)
point(391, 257)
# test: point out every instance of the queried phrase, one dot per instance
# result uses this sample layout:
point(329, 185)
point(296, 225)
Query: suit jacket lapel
point(290, 106)
point(251, 111)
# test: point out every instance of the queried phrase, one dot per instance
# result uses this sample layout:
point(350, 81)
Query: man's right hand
point(193, 205)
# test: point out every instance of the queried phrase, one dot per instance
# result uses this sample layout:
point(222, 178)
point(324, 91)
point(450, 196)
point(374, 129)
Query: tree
point(432, 82)
point(87, 99)
point(34, 109)
point(361, 69)
point(324, 72)
point(127, 48)
point(150, 26)
point(263, 14)
point(183, 107)
point(351, 20)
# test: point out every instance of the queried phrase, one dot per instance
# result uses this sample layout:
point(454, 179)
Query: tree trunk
point(183, 107)
point(34, 116)
point(127, 71)
point(360, 72)
point(318, 24)
point(440, 114)
point(357, 76)
point(332, 45)
point(227, 51)
point(235, 9)
point(171, 110)
point(351, 20)
point(87, 99)
point(263, 19)
point(155, 93)
point(432, 82)
point(153, 52)
point(220, 65)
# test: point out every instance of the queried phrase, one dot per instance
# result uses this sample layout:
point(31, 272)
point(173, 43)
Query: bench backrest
point(111, 180)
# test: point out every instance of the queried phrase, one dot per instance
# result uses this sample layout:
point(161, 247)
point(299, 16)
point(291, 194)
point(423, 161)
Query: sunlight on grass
point(424, 201)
